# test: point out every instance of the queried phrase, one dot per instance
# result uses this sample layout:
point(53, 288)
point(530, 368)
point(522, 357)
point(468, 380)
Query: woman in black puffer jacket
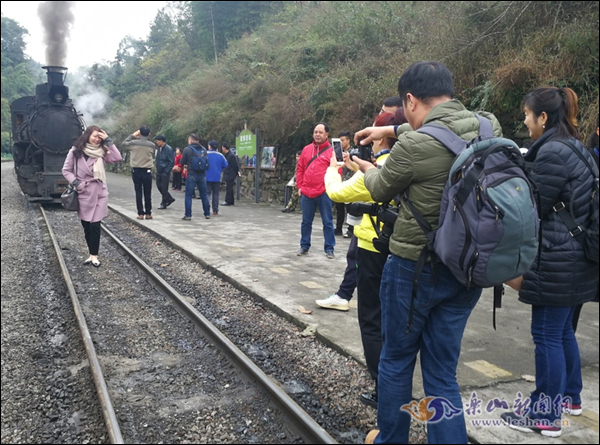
point(561, 277)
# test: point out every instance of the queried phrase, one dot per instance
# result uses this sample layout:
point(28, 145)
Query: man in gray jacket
point(142, 160)
point(165, 159)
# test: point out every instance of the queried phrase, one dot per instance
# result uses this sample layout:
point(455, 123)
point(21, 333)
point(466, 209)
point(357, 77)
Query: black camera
point(383, 213)
point(364, 152)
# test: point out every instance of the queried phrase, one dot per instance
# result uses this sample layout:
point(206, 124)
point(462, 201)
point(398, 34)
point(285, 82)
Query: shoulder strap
point(317, 155)
point(451, 140)
point(589, 165)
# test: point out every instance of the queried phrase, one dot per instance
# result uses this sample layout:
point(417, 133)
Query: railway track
point(139, 346)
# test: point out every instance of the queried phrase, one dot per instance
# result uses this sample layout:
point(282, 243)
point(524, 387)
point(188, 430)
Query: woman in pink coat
point(84, 169)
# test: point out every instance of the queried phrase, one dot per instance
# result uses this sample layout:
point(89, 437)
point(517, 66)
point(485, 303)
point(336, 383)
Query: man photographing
point(142, 160)
point(420, 164)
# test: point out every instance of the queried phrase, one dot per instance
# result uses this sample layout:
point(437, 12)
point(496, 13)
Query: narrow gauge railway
point(167, 382)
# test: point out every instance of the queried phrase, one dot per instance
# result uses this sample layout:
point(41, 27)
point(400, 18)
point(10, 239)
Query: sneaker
point(338, 232)
point(334, 302)
point(346, 234)
point(526, 424)
point(215, 213)
point(162, 207)
point(330, 255)
point(170, 202)
point(187, 218)
point(206, 216)
point(572, 409)
point(302, 251)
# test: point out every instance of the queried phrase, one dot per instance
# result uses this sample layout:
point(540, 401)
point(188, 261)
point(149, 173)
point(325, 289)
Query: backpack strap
point(451, 140)
point(575, 230)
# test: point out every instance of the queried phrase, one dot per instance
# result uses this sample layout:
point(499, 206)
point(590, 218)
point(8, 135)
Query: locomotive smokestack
point(55, 74)
point(57, 20)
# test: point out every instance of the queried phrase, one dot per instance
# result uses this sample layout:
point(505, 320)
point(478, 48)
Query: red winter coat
point(310, 179)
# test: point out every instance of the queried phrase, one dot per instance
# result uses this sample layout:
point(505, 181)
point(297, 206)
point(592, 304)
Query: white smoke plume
point(89, 100)
point(57, 20)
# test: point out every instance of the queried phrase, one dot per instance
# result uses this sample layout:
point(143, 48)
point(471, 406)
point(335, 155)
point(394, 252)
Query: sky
point(97, 30)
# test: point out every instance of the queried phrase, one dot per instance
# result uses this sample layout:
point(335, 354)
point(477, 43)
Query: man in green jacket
point(420, 164)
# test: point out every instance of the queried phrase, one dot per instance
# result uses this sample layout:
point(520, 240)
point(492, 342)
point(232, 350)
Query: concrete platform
point(254, 247)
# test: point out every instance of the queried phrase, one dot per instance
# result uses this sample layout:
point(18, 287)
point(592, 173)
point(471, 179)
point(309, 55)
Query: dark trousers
point(213, 189)
point(177, 180)
point(229, 191)
point(162, 184)
point(142, 181)
point(349, 282)
point(91, 231)
point(370, 269)
point(340, 211)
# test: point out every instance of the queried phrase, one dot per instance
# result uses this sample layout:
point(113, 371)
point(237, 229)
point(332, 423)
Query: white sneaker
point(334, 302)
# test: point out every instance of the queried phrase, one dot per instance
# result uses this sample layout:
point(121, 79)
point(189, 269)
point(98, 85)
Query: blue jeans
point(213, 190)
point(193, 180)
point(557, 360)
point(309, 207)
point(441, 311)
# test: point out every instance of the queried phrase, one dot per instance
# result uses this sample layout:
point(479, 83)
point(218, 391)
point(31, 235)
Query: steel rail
point(110, 419)
point(304, 425)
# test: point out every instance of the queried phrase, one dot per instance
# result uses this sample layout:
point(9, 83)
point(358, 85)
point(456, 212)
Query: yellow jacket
point(354, 190)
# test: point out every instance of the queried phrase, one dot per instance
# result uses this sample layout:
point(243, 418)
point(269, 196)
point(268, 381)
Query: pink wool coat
point(93, 194)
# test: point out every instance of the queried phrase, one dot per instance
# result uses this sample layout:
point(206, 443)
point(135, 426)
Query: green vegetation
point(16, 74)
point(209, 67)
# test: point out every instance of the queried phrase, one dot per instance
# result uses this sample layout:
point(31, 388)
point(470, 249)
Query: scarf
point(96, 152)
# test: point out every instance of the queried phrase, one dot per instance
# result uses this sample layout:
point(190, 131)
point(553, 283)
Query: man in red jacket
point(310, 180)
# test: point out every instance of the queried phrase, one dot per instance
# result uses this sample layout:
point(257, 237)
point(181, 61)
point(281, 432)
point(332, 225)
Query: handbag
point(176, 169)
point(69, 198)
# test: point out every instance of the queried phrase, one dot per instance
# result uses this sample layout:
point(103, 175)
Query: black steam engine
point(44, 128)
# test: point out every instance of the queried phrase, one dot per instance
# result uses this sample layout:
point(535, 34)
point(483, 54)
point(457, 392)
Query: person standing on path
point(84, 169)
point(310, 180)
point(216, 164)
point(142, 160)
point(165, 161)
point(195, 161)
point(230, 174)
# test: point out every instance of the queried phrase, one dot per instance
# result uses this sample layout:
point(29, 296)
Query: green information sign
point(245, 145)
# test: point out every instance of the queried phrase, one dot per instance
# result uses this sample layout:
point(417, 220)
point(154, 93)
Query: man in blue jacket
point(165, 159)
point(216, 164)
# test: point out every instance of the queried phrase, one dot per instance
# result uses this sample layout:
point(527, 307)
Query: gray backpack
point(488, 226)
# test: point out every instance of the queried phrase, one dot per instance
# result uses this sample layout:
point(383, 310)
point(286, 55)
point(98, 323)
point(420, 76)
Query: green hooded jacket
point(421, 164)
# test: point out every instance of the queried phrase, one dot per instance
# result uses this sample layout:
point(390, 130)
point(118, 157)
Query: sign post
point(247, 146)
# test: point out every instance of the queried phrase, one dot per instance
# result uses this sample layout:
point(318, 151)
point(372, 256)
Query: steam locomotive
point(44, 128)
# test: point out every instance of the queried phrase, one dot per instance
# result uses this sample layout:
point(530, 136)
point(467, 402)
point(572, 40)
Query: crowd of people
point(563, 173)
point(404, 162)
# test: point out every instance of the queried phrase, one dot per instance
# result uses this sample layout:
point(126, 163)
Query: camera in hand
point(364, 152)
point(383, 213)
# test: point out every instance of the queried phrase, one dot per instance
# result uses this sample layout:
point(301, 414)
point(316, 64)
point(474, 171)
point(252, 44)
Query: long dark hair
point(82, 141)
point(560, 105)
